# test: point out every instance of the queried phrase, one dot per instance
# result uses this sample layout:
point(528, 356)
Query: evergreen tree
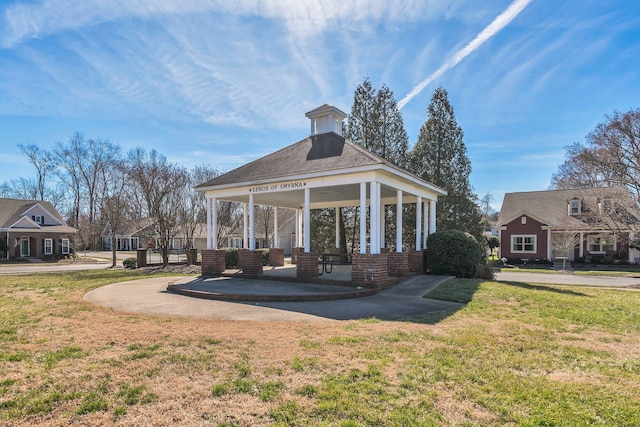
point(440, 157)
point(376, 124)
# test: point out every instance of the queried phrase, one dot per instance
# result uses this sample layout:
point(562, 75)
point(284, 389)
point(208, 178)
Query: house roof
point(320, 153)
point(13, 210)
point(551, 206)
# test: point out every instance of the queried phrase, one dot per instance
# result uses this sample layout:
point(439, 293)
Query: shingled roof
point(551, 206)
point(12, 210)
point(316, 154)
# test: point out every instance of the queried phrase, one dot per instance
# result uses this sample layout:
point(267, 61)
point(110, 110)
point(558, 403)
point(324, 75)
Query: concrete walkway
point(150, 296)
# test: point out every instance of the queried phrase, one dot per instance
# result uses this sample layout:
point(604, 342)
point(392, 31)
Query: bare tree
point(114, 205)
point(161, 185)
point(610, 158)
point(86, 161)
point(264, 222)
point(44, 162)
point(564, 243)
point(25, 188)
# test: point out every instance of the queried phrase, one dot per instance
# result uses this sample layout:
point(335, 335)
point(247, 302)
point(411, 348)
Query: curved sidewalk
point(150, 296)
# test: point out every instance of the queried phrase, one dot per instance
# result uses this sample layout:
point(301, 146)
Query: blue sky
point(225, 82)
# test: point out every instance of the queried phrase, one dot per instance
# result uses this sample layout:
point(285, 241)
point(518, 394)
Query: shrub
point(453, 252)
point(130, 263)
point(265, 255)
point(485, 272)
point(231, 258)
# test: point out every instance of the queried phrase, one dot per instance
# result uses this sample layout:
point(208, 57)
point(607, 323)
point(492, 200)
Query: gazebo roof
point(318, 153)
point(326, 162)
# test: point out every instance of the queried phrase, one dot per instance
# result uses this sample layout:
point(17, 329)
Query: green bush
point(265, 255)
point(231, 258)
point(130, 263)
point(485, 272)
point(453, 253)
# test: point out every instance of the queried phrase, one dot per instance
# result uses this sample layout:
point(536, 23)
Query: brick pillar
point(307, 265)
point(252, 262)
point(141, 260)
point(243, 255)
point(276, 257)
point(370, 270)
point(398, 264)
point(294, 254)
point(192, 256)
point(213, 262)
point(416, 262)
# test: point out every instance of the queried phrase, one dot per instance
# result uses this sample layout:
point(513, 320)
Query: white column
point(419, 223)
point(363, 217)
point(299, 228)
point(549, 248)
point(214, 223)
point(425, 224)
point(399, 221)
point(581, 250)
point(245, 228)
point(337, 227)
point(307, 220)
point(275, 227)
point(208, 223)
point(374, 218)
point(252, 236)
point(383, 221)
point(432, 214)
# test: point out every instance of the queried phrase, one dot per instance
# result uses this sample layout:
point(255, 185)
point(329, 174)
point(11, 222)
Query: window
point(523, 243)
point(574, 207)
point(523, 220)
point(599, 243)
point(48, 246)
point(65, 246)
point(38, 219)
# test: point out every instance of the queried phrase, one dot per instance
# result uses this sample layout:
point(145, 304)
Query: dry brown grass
point(441, 373)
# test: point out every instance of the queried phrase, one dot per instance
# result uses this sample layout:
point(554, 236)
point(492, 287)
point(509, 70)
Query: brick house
point(34, 229)
point(569, 224)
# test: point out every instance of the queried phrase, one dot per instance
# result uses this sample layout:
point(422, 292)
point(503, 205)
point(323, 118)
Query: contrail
point(492, 29)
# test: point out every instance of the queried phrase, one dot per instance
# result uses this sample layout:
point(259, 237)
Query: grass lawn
point(517, 354)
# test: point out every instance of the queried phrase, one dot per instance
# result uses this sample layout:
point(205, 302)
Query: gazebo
point(325, 170)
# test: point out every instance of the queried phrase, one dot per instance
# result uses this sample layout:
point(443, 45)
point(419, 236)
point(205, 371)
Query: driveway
point(568, 279)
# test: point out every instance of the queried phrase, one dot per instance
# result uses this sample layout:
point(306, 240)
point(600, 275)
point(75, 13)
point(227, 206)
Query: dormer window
point(38, 219)
point(574, 207)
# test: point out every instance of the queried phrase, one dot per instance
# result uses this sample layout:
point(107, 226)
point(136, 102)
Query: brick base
point(398, 264)
point(242, 256)
point(213, 262)
point(141, 259)
point(252, 262)
point(416, 262)
point(276, 257)
point(307, 265)
point(370, 270)
point(294, 254)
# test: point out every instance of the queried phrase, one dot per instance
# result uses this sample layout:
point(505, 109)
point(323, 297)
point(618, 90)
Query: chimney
point(326, 118)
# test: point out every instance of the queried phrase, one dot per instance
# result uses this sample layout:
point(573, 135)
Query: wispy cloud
point(492, 29)
point(40, 19)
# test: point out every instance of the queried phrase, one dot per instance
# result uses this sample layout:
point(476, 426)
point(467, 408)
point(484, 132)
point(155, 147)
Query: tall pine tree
point(376, 124)
point(440, 157)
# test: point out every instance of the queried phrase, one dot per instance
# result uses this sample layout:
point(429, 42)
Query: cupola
point(326, 118)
